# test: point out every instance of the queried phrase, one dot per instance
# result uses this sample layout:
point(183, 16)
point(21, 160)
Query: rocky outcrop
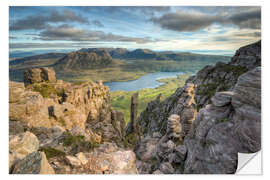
point(231, 124)
point(65, 124)
point(133, 127)
point(248, 56)
point(228, 121)
point(222, 76)
point(48, 104)
point(164, 126)
point(118, 123)
point(37, 75)
point(228, 126)
point(154, 118)
point(162, 155)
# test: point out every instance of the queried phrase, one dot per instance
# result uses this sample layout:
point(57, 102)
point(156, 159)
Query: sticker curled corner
point(249, 163)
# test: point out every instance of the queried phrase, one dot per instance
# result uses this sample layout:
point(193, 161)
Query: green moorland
point(120, 70)
point(126, 70)
point(120, 100)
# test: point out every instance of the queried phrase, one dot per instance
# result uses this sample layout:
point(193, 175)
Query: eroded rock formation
point(227, 126)
point(48, 103)
point(228, 122)
point(154, 118)
point(38, 75)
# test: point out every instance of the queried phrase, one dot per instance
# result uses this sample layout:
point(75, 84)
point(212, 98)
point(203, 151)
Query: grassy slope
point(129, 70)
point(121, 70)
point(114, 72)
point(120, 100)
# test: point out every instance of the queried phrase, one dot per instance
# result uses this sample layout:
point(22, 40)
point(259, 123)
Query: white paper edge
point(249, 164)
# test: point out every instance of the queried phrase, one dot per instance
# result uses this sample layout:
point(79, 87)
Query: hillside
point(111, 64)
point(143, 54)
point(31, 59)
point(84, 60)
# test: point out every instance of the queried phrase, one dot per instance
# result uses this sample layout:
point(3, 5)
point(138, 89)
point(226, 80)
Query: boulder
point(23, 144)
point(73, 161)
point(34, 163)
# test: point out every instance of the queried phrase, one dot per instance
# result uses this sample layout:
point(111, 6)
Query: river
point(146, 81)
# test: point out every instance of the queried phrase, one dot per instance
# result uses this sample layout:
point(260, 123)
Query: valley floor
point(120, 100)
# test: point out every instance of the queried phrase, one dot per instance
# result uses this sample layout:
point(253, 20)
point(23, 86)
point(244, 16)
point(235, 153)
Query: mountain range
point(120, 53)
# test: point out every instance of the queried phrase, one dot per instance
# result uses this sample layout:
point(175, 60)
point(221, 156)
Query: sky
point(198, 29)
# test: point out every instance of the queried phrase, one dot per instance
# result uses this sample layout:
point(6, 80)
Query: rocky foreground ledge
point(63, 128)
point(59, 127)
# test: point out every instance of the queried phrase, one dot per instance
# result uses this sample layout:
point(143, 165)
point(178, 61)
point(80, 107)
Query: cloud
point(237, 36)
point(249, 19)
point(49, 45)
point(146, 10)
point(193, 21)
point(38, 22)
point(182, 21)
point(71, 33)
point(97, 23)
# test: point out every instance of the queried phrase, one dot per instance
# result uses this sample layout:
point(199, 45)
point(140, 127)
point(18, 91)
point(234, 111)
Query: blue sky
point(210, 30)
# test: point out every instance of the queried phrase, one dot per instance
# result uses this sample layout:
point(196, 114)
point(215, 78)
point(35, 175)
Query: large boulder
point(23, 144)
point(34, 163)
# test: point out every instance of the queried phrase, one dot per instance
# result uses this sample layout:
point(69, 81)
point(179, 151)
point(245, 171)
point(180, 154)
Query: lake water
point(146, 81)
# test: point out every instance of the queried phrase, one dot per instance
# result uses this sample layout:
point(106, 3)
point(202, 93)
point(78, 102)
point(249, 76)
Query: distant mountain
point(114, 52)
point(37, 58)
point(100, 57)
point(140, 54)
point(84, 60)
